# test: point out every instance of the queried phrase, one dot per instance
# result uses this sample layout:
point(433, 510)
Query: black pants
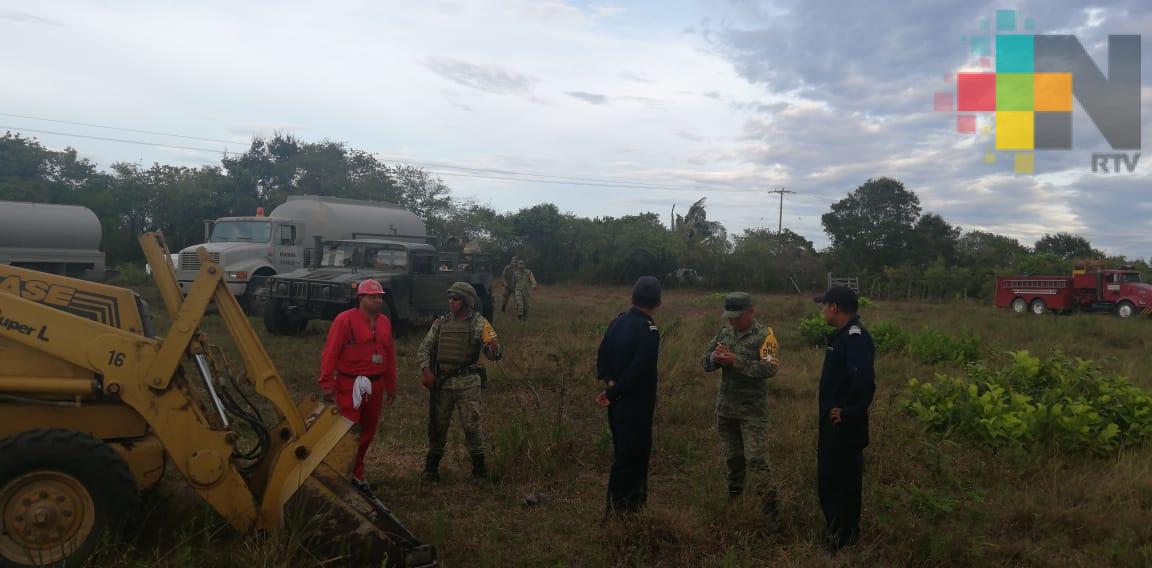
point(840, 475)
point(631, 426)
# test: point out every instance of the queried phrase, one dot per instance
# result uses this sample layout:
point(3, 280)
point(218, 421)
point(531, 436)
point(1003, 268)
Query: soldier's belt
point(462, 372)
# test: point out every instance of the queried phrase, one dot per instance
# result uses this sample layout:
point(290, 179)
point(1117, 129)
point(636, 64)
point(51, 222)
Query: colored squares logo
point(1015, 54)
point(1014, 130)
point(1053, 92)
point(975, 92)
point(1014, 91)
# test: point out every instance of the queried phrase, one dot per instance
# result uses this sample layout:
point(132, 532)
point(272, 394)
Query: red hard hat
point(369, 287)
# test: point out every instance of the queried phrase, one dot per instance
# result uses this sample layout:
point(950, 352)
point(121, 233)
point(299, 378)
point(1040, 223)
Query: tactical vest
point(457, 348)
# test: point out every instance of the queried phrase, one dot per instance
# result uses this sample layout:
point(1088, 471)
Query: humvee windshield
point(372, 257)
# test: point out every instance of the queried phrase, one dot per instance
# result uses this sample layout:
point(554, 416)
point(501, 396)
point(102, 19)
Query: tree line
point(878, 233)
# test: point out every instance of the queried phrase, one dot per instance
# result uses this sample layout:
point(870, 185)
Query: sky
point(702, 98)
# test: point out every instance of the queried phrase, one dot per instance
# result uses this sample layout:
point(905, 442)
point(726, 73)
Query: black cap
point(842, 297)
point(646, 292)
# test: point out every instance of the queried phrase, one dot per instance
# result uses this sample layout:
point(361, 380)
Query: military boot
point(737, 474)
point(432, 468)
point(479, 468)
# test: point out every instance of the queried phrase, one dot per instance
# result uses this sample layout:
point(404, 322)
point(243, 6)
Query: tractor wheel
point(59, 491)
point(1125, 310)
point(1019, 305)
point(1038, 307)
point(278, 322)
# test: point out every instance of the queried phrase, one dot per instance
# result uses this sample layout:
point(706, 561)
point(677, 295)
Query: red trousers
point(367, 416)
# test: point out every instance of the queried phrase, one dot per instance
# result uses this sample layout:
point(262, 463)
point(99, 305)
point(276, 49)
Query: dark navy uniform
point(628, 355)
point(848, 382)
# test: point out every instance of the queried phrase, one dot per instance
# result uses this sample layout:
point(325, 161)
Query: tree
point(874, 225)
point(934, 238)
point(1067, 246)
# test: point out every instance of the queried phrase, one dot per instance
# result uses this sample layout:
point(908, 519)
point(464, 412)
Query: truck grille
point(189, 260)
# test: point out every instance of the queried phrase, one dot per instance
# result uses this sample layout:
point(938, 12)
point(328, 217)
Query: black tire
point(255, 298)
point(1125, 310)
point(1038, 307)
point(277, 322)
point(78, 485)
point(1019, 306)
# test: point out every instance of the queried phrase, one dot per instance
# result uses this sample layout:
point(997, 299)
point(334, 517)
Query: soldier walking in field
point(506, 276)
point(747, 353)
point(449, 358)
point(523, 284)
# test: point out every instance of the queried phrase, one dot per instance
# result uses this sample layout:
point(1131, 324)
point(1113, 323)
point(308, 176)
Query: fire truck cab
point(1090, 288)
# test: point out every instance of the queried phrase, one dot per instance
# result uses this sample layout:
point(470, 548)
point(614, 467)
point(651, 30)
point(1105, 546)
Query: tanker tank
point(61, 239)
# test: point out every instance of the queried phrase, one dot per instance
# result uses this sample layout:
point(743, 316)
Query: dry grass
point(927, 502)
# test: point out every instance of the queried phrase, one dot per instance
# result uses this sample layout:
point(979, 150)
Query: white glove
point(361, 389)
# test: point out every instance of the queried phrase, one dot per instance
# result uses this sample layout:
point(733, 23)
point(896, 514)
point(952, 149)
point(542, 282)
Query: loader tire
point(59, 491)
point(279, 323)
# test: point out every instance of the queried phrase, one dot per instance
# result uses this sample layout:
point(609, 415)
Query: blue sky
point(724, 99)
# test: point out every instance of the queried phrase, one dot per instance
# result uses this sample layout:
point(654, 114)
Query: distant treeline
point(878, 232)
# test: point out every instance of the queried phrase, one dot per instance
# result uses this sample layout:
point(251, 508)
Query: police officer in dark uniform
point(847, 385)
point(626, 362)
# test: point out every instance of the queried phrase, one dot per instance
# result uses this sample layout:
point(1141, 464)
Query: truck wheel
point(1019, 305)
point(1039, 307)
point(277, 322)
point(59, 491)
point(1125, 310)
point(256, 297)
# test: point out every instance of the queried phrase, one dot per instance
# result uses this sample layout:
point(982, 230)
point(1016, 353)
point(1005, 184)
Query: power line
point(524, 177)
point(421, 163)
point(136, 130)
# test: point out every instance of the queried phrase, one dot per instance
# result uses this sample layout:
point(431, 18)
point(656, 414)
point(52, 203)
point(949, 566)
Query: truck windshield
point(1130, 277)
point(242, 231)
point(373, 257)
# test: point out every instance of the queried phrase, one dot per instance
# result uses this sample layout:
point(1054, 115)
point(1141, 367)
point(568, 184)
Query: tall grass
point(926, 502)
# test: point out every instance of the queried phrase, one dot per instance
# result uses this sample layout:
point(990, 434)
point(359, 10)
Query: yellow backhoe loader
point(94, 404)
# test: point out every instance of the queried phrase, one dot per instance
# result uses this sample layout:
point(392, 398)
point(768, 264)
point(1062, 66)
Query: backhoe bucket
point(363, 528)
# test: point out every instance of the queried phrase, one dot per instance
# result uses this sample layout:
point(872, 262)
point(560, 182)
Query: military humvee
point(415, 277)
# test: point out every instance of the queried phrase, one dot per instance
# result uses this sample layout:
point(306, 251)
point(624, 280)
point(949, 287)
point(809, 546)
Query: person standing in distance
point(626, 362)
point(847, 386)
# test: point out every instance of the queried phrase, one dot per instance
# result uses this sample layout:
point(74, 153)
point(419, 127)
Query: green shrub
point(889, 338)
point(932, 346)
point(813, 330)
point(1062, 403)
point(865, 302)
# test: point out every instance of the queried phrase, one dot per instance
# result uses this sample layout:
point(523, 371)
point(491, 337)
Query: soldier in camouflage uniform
point(449, 359)
point(506, 276)
point(523, 284)
point(747, 353)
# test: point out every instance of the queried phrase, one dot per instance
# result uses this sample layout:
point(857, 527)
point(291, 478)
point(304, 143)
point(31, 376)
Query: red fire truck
point(1090, 288)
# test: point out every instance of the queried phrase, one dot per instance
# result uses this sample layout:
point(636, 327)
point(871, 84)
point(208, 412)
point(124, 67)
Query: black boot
point(432, 468)
point(479, 468)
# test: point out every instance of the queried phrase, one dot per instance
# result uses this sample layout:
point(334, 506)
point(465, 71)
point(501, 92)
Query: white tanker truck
point(250, 249)
point(60, 239)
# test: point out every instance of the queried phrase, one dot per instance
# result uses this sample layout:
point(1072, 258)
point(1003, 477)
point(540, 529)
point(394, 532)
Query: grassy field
point(927, 501)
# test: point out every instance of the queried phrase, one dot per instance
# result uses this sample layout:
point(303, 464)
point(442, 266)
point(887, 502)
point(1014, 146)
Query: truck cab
point(415, 277)
point(247, 248)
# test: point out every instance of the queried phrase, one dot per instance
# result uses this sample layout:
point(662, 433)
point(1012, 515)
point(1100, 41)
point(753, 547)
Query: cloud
point(590, 98)
point(24, 18)
point(487, 78)
point(634, 77)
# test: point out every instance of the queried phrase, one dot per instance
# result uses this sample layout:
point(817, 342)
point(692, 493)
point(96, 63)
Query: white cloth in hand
point(360, 390)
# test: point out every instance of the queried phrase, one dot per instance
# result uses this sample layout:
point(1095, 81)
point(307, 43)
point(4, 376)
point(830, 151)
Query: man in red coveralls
point(358, 367)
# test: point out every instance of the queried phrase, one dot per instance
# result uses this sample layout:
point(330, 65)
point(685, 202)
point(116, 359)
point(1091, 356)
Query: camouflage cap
point(736, 304)
point(466, 291)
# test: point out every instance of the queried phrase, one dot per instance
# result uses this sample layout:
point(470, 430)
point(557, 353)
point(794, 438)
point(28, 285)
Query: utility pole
point(781, 191)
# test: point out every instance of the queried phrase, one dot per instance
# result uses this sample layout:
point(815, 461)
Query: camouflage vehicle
point(415, 277)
